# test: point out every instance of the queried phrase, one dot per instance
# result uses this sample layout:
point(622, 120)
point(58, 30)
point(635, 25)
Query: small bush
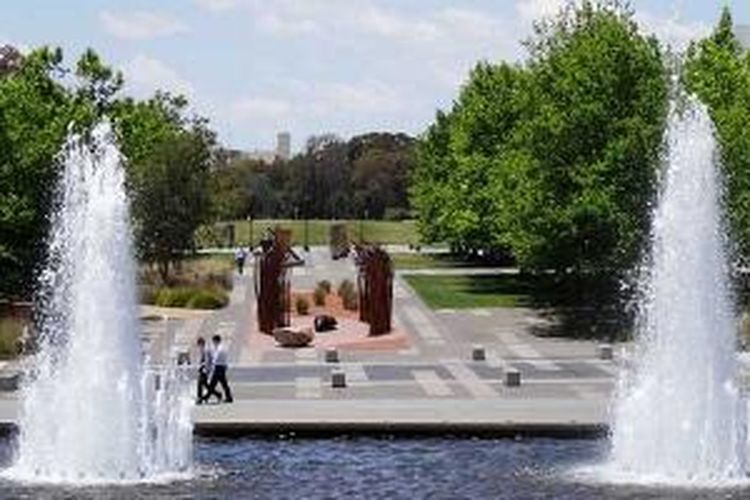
point(10, 335)
point(345, 287)
point(208, 299)
point(302, 305)
point(173, 297)
point(191, 297)
point(147, 294)
point(350, 300)
point(319, 296)
point(324, 285)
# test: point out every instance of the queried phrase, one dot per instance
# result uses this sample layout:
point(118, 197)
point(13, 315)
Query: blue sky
point(255, 67)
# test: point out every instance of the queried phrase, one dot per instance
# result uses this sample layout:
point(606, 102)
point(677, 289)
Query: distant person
point(219, 372)
point(204, 370)
point(240, 255)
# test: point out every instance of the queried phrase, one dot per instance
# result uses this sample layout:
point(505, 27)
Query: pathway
point(431, 382)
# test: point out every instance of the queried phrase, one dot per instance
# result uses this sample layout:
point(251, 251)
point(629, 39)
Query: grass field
point(390, 232)
point(407, 261)
point(465, 292)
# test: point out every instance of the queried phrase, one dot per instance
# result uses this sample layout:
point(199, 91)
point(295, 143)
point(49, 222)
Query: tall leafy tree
point(718, 71)
point(34, 113)
point(555, 160)
point(168, 156)
point(594, 141)
point(169, 159)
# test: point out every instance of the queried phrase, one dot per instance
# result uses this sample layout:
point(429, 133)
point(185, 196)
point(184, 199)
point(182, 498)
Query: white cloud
point(217, 5)
point(532, 10)
point(343, 18)
point(469, 24)
point(140, 25)
point(673, 30)
point(371, 96)
point(272, 23)
point(261, 108)
point(389, 25)
point(148, 74)
point(316, 101)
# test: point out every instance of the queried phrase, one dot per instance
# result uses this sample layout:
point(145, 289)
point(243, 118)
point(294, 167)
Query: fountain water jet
point(91, 411)
point(679, 417)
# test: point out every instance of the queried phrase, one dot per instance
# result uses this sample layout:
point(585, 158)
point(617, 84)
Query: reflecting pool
point(378, 468)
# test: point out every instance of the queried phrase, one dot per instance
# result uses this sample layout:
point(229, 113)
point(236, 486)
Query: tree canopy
point(717, 69)
point(167, 156)
point(555, 160)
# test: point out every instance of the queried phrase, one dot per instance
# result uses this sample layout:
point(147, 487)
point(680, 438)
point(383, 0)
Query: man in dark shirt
point(205, 366)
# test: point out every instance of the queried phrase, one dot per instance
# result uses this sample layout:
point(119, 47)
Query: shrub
point(173, 297)
point(208, 299)
point(319, 296)
point(10, 335)
point(350, 300)
point(302, 305)
point(147, 294)
point(345, 287)
point(191, 297)
point(325, 285)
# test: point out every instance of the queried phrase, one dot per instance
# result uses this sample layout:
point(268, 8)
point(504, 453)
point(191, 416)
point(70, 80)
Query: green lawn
point(465, 292)
point(395, 232)
point(428, 261)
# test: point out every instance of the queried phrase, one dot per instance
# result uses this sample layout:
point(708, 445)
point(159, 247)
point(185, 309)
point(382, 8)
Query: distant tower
point(283, 145)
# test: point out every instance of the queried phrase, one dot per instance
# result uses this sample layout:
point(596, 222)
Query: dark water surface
point(430, 468)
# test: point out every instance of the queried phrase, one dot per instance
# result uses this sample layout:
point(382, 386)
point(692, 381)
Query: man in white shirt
point(220, 364)
point(240, 255)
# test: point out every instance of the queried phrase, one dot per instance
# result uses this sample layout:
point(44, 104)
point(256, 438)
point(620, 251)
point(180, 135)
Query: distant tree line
point(363, 177)
point(168, 157)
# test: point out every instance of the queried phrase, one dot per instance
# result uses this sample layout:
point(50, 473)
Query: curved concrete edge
point(401, 430)
point(387, 430)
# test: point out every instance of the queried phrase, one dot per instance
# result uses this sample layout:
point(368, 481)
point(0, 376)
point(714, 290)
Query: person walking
point(240, 255)
point(204, 370)
point(219, 373)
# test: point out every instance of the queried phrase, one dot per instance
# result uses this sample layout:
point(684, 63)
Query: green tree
point(594, 140)
point(718, 71)
point(34, 112)
point(169, 159)
point(39, 103)
point(555, 160)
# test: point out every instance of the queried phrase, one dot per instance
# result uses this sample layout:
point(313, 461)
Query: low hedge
point(188, 297)
point(10, 334)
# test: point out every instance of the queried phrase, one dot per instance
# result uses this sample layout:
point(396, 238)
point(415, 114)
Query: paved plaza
point(430, 381)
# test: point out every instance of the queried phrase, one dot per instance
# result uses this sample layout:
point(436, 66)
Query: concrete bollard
point(332, 355)
point(478, 353)
point(606, 352)
point(512, 377)
point(338, 379)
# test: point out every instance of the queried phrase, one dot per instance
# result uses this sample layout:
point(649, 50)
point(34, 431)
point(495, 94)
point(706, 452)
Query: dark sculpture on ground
point(272, 289)
point(325, 323)
point(375, 285)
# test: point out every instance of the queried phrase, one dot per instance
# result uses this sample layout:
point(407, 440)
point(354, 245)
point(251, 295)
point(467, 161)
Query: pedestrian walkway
point(432, 379)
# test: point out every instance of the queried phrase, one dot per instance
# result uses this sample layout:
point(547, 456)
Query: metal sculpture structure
point(272, 286)
point(375, 285)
